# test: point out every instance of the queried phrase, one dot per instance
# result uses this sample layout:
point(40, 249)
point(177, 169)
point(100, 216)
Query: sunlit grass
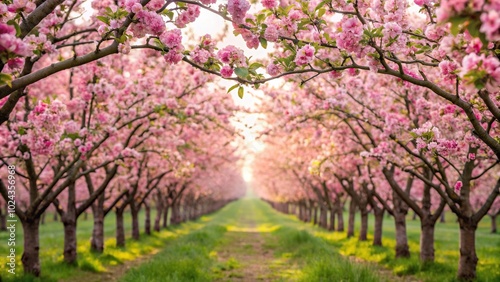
point(446, 255)
point(302, 252)
point(52, 240)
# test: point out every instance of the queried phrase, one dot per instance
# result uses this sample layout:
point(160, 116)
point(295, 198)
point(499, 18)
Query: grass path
point(244, 253)
point(248, 241)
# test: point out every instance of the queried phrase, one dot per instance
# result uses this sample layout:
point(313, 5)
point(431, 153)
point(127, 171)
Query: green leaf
point(263, 42)
point(168, 13)
point(5, 79)
point(233, 87)
point(241, 72)
point(456, 23)
point(241, 91)
point(321, 12)
point(103, 19)
point(122, 39)
point(255, 66)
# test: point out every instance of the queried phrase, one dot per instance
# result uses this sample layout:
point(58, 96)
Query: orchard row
point(399, 105)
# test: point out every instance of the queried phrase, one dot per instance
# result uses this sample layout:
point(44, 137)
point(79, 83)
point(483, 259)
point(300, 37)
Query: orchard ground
point(249, 241)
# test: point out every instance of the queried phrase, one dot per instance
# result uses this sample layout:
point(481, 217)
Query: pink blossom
point(422, 2)
point(77, 142)
point(136, 8)
point(273, 69)
point(448, 69)
point(271, 34)
point(171, 38)
point(458, 186)
point(187, 16)
point(171, 103)
point(269, 4)
point(231, 55)
point(226, 71)
point(490, 24)
point(152, 22)
point(304, 55)
point(173, 57)
point(124, 48)
point(238, 9)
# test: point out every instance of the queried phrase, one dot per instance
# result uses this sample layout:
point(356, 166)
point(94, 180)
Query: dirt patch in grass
point(247, 255)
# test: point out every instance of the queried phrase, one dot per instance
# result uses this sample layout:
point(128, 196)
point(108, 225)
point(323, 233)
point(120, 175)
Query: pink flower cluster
point(187, 16)
point(274, 69)
point(10, 44)
point(226, 71)
point(489, 9)
point(232, 56)
point(305, 55)
point(44, 128)
point(448, 70)
point(150, 22)
point(474, 65)
point(272, 33)
point(490, 23)
point(173, 41)
point(238, 9)
point(204, 51)
point(19, 6)
point(208, 2)
point(351, 34)
point(133, 6)
point(269, 4)
point(429, 137)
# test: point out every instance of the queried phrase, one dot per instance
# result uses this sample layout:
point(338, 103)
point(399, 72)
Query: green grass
point(301, 252)
point(52, 242)
point(299, 255)
point(446, 249)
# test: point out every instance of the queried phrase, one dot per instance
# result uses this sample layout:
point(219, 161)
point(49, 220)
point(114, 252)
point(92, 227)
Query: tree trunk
point(147, 220)
point(352, 217)
point(70, 240)
point(331, 226)
point(159, 212)
point(363, 231)
point(97, 239)
point(301, 213)
point(176, 217)
point(165, 216)
point(402, 249)
point(55, 218)
point(493, 223)
point(315, 215)
point(340, 219)
point(442, 217)
point(120, 229)
point(135, 223)
point(377, 230)
point(323, 218)
point(42, 219)
point(468, 258)
point(31, 252)
point(427, 240)
point(3, 219)
point(68, 219)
